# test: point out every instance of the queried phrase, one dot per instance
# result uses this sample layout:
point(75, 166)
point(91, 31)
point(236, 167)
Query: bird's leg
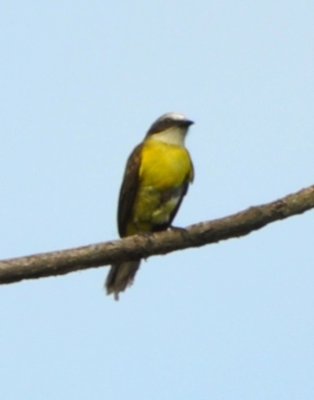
point(177, 228)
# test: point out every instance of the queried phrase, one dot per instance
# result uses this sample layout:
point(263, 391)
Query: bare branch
point(140, 246)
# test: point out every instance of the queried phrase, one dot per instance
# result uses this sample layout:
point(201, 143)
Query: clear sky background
point(81, 81)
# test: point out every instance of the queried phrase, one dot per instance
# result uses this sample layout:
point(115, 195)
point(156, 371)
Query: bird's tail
point(120, 277)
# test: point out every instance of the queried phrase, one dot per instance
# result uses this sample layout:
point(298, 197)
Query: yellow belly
point(165, 170)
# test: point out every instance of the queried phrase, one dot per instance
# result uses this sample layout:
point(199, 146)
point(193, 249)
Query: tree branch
point(140, 246)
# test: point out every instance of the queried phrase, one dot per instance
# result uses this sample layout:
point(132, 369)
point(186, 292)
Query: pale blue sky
point(81, 81)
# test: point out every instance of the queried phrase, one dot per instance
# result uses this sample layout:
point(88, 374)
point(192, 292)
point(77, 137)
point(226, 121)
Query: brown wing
point(129, 189)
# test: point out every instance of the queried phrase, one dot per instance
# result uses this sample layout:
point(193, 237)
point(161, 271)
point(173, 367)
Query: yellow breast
point(165, 170)
point(164, 166)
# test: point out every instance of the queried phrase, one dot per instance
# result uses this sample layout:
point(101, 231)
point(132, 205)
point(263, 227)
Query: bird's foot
point(177, 228)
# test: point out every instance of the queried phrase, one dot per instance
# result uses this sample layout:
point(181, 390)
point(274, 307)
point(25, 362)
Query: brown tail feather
point(120, 277)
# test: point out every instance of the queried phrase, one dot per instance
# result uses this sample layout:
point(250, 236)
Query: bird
point(156, 179)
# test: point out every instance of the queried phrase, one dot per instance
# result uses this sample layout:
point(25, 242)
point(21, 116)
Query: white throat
point(175, 136)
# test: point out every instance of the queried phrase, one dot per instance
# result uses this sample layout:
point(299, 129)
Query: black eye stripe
point(167, 123)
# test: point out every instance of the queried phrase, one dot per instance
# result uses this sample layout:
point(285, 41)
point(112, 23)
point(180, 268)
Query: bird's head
point(170, 128)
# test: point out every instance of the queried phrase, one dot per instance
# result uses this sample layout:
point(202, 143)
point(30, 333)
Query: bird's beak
point(188, 122)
